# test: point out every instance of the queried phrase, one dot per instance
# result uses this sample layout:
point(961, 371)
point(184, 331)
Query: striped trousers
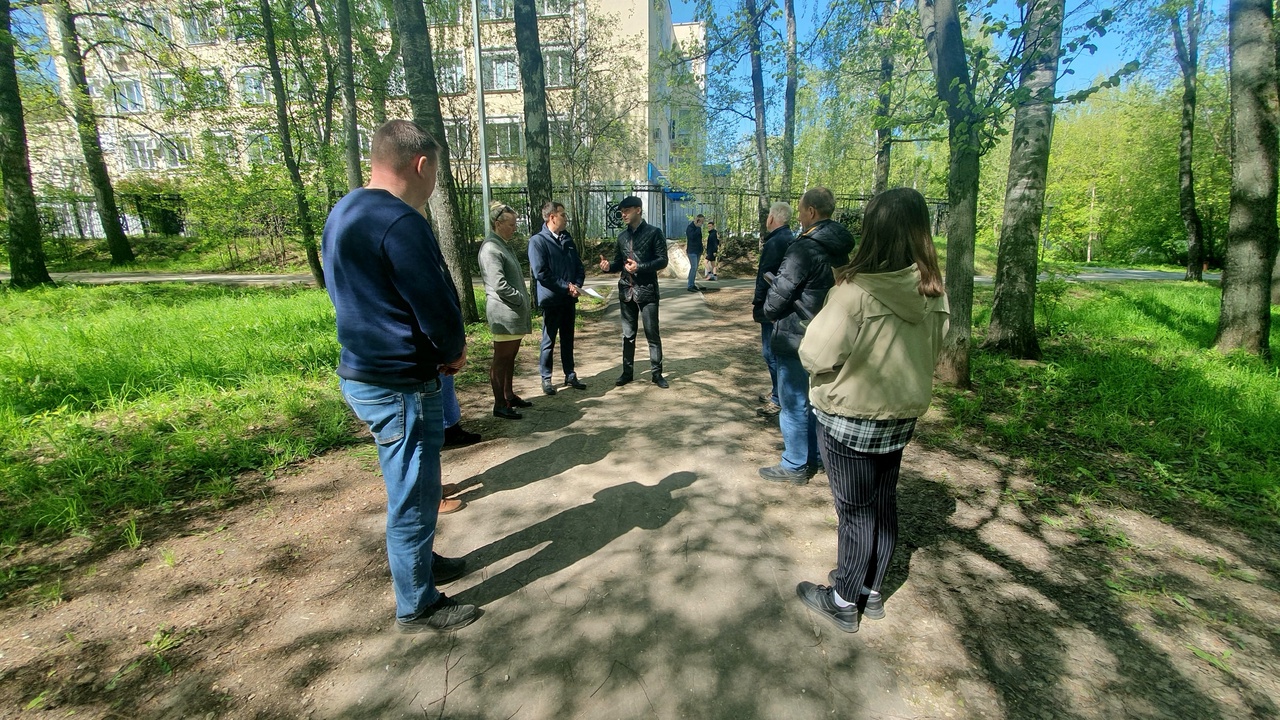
point(865, 489)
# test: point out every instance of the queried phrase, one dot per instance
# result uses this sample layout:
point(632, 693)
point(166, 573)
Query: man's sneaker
point(819, 599)
point(777, 473)
point(547, 387)
point(623, 379)
point(455, 436)
point(444, 615)
point(768, 411)
point(765, 398)
point(872, 605)
point(446, 570)
point(573, 382)
point(694, 288)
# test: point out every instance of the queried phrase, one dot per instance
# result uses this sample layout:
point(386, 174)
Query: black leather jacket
point(803, 280)
point(648, 247)
point(775, 247)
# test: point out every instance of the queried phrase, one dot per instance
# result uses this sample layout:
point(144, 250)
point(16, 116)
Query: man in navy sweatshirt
point(400, 326)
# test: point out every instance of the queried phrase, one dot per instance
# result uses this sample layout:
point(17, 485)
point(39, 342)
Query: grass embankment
point(125, 397)
point(1130, 398)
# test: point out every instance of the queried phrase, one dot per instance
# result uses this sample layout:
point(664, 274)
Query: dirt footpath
point(631, 564)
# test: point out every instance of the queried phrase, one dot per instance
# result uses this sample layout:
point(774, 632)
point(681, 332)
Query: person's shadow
point(576, 533)
point(561, 455)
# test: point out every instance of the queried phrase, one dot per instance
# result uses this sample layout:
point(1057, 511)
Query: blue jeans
point(799, 426)
point(452, 411)
point(693, 268)
point(766, 334)
point(409, 432)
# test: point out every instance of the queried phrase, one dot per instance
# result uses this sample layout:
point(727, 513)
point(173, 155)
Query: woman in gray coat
point(507, 308)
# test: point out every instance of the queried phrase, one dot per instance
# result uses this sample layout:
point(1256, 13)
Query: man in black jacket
point(792, 301)
point(771, 253)
point(641, 253)
point(557, 269)
point(693, 248)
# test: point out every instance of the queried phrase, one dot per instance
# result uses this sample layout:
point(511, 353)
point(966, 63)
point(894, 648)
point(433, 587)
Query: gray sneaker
point(445, 615)
point(818, 598)
point(777, 473)
point(768, 411)
point(872, 605)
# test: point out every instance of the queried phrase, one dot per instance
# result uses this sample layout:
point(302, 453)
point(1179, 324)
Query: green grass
point(158, 253)
point(984, 256)
point(1130, 396)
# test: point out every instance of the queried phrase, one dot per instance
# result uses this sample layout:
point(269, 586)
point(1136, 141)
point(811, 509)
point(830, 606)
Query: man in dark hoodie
point(772, 251)
point(794, 298)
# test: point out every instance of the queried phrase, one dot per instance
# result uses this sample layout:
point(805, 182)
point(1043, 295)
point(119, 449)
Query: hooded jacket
point(871, 351)
point(802, 283)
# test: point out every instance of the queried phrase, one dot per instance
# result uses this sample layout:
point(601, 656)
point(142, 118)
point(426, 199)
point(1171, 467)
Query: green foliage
point(1130, 397)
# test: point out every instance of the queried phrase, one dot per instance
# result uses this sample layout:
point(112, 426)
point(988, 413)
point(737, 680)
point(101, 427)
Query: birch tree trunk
point(90, 143)
point(350, 125)
point(789, 103)
point(1187, 47)
point(26, 250)
point(1013, 318)
point(755, 18)
point(940, 21)
point(286, 144)
point(537, 132)
point(1245, 320)
point(424, 98)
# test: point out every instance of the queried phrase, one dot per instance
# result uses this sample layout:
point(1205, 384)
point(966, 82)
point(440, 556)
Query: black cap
point(629, 201)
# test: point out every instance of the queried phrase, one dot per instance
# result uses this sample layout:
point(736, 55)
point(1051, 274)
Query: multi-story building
point(174, 83)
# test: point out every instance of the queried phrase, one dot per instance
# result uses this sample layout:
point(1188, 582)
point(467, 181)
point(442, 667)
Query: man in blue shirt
point(400, 326)
point(557, 269)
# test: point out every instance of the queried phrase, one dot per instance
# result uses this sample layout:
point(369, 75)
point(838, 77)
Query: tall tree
point(755, 18)
point(940, 21)
point(26, 251)
point(350, 126)
point(424, 98)
point(90, 143)
point(379, 65)
point(789, 100)
point(1186, 43)
point(1013, 327)
point(1245, 320)
point(286, 143)
point(537, 136)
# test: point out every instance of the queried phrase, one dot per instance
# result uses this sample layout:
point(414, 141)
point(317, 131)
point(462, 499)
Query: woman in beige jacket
point(870, 354)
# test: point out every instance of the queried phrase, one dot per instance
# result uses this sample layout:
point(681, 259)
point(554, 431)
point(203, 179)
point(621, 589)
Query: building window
point(397, 85)
point(554, 7)
point(260, 148)
point(221, 145)
point(155, 22)
point(558, 64)
point(201, 26)
point(442, 12)
point(504, 138)
point(451, 73)
point(208, 89)
point(139, 153)
point(500, 70)
point(127, 96)
point(496, 10)
point(167, 91)
point(176, 151)
point(254, 89)
point(457, 135)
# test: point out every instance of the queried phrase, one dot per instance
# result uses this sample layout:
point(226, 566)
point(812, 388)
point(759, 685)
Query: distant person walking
point(885, 318)
point(693, 248)
point(557, 268)
point(774, 248)
point(400, 326)
point(794, 298)
point(506, 309)
point(641, 253)
point(713, 248)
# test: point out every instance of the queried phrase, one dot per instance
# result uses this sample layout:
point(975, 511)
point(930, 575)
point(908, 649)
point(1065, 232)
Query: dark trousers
point(557, 319)
point(865, 488)
point(649, 313)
